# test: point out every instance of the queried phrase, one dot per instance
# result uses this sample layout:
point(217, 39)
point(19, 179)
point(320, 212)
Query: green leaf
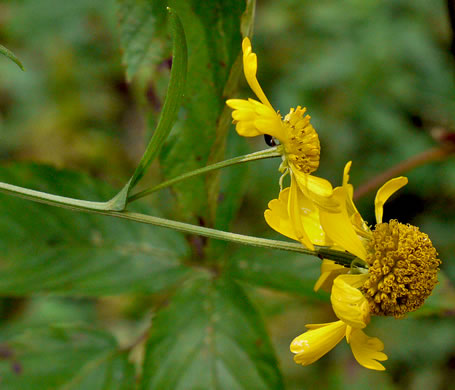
point(47, 249)
point(279, 270)
point(141, 23)
point(210, 337)
point(214, 44)
point(11, 56)
point(171, 105)
point(173, 100)
point(64, 358)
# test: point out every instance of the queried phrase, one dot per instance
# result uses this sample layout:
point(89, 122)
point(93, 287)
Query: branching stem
point(267, 153)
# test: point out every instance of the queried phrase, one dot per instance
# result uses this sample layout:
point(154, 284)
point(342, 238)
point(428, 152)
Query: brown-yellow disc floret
point(303, 147)
point(403, 269)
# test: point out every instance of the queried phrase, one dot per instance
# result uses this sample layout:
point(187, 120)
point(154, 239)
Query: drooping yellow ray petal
point(367, 350)
point(316, 342)
point(277, 215)
point(310, 221)
point(318, 190)
point(250, 66)
point(329, 271)
point(357, 221)
point(315, 326)
point(338, 226)
point(348, 302)
point(385, 192)
point(349, 189)
point(309, 215)
point(295, 210)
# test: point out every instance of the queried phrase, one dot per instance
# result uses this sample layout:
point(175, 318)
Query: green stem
point(85, 205)
point(105, 208)
point(267, 153)
point(102, 208)
point(54, 200)
point(342, 258)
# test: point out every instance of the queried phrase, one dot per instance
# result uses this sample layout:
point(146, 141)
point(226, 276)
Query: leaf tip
point(11, 56)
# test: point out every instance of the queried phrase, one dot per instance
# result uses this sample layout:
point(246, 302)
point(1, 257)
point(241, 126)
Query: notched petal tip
point(347, 168)
point(277, 216)
point(367, 350)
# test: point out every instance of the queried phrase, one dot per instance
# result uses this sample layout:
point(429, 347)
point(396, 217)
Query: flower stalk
point(342, 258)
point(262, 154)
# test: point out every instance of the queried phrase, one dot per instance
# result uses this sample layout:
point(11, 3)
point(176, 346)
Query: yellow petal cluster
point(400, 262)
point(401, 268)
point(351, 307)
point(301, 148)
point(298, 139)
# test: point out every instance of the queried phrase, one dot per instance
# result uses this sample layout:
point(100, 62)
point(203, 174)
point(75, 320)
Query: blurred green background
point(377, 78)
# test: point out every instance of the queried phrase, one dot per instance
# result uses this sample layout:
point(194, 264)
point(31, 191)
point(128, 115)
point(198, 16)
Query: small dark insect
point(269, 140)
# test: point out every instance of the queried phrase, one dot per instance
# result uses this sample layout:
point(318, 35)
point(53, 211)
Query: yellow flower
point(402, 262)
point(295, 216)
point(400, 271)
point(299, 141)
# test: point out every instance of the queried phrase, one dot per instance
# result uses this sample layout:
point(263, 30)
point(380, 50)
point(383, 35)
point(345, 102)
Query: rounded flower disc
point(403, 269)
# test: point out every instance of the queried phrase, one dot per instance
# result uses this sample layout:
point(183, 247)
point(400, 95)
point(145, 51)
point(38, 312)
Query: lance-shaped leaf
point(173, 98)
point(64, 358)
point(47, 249)
point(169, 112)
point(210, 337)
point(8, 53)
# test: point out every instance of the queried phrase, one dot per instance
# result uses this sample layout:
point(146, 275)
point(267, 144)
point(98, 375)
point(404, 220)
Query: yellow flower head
point(299, 141)
point(299, 144)
point(400, 271)
point(402, 262)
point(295, 132)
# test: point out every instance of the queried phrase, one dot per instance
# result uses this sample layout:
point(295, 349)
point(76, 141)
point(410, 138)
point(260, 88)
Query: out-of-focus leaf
point(233, 184)
point(55, 250)
point(210, 337)
point(8, 53)
point(415, 342)
point(141, 23)
point(213, 36)
point(64, 357)
point(276, 269)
